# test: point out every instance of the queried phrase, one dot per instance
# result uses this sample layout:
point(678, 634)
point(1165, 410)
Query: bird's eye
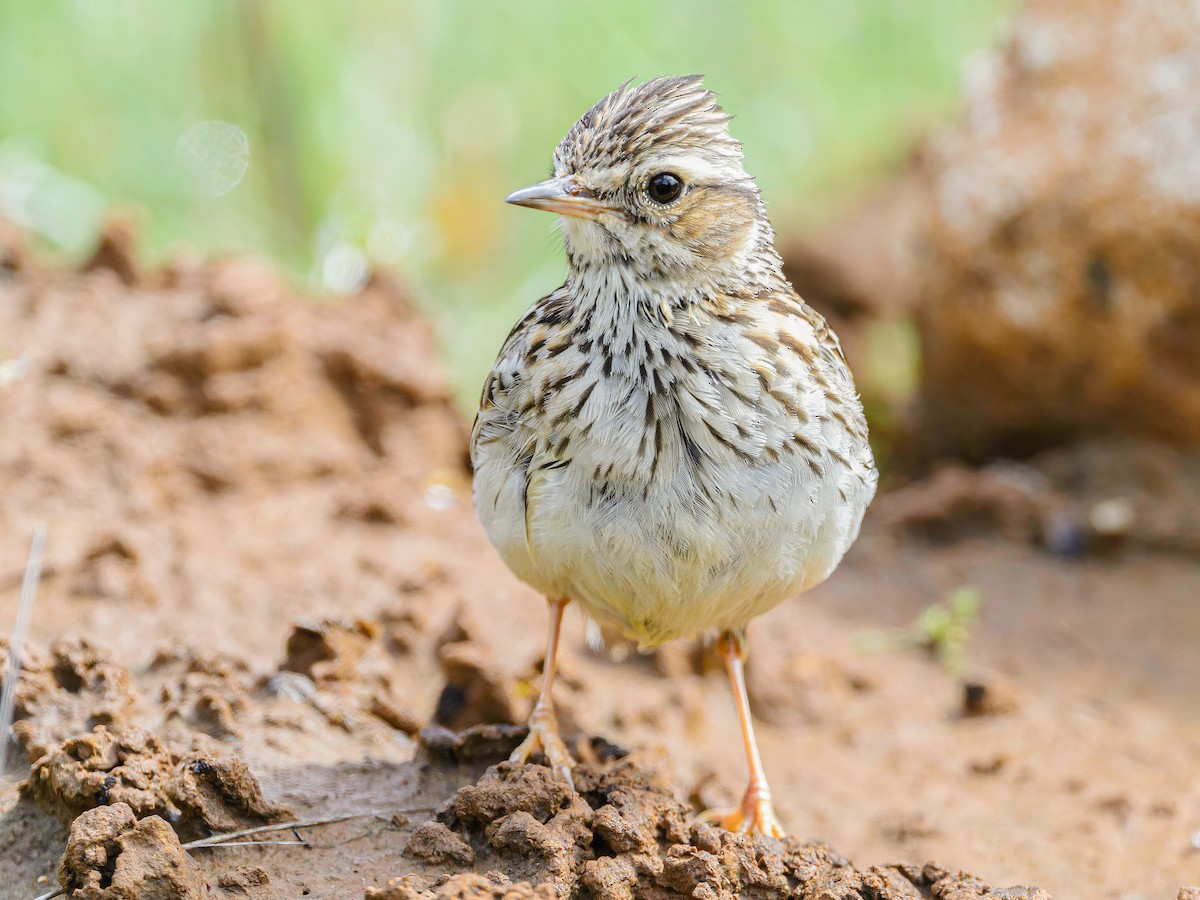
point(665, 187)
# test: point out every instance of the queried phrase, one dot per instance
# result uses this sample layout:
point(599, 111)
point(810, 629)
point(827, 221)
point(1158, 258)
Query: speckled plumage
point(671, 438)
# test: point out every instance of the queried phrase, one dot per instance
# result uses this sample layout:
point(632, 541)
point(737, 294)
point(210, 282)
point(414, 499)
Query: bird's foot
point(756, 815)
point(543, 735)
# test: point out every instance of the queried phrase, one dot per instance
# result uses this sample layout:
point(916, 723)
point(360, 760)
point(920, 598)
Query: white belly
point(670, 562)
point(671, 476)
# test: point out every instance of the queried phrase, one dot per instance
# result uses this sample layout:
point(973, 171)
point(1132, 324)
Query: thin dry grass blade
point(16, 645)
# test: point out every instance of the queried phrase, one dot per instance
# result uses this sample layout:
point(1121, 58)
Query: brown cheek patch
point(714, 221)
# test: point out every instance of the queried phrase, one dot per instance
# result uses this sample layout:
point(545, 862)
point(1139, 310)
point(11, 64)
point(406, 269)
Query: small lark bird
point(672, 438)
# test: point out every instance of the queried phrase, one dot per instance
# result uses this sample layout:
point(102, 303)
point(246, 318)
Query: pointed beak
point(560, 195)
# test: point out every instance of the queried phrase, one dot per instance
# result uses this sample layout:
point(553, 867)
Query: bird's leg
point(543, 725)
point(756, 815)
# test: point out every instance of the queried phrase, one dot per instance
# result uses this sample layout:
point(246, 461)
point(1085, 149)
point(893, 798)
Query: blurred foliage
point(335, 136)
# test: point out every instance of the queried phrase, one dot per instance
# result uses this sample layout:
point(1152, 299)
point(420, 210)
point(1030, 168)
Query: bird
point(672, 439)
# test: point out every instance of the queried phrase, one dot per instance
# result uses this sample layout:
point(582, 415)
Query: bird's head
point(650, 179)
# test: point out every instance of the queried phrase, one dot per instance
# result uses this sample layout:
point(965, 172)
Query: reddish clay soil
point(266, 596)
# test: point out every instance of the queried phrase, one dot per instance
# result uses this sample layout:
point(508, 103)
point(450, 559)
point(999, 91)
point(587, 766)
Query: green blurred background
point(337, 136)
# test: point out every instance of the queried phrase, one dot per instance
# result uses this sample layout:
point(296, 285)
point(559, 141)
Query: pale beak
point(560, 195)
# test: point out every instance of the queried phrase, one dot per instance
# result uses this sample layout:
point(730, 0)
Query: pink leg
point(756, 815)
point(543, 725)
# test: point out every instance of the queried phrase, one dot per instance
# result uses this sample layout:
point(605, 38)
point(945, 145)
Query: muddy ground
point(266, 595)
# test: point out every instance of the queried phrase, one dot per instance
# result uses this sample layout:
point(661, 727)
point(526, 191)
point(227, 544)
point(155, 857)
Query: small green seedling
point(942, 630)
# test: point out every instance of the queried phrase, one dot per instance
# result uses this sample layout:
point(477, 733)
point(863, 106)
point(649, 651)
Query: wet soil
point(266, 595)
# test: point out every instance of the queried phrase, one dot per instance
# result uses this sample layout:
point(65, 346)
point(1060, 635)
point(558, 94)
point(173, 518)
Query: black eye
point(665, 187)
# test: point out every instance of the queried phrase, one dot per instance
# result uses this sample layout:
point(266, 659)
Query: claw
point(756, 815)
point(543, 735)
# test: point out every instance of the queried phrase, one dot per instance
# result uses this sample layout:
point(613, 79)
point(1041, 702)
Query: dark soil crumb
point(111, 855)
point(988, 696)
point(198, 792)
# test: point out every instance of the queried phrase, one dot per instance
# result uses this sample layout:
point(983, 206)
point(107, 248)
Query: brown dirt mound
point(623, 835)
point(1059, 283)
point(1043, 249)
point(197, 792)
point(173, 431)
point(67, 690)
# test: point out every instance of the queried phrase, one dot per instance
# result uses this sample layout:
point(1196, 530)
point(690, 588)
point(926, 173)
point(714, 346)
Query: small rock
point(292, 685)
point(610, 878)
point(111, 855)
point(240, 881)
point(437, 845)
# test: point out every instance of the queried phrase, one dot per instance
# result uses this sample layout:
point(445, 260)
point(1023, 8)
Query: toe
point(739, 820)
point(555, 750)
point(769, 825)
point(729, 818)
point(526, 749)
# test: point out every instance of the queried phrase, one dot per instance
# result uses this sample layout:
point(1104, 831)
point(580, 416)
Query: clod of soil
point(244, 880)
point(198, 792)
point(69, 689)
point(328, 650)
point(622, 835)
point(476, 690)
point(111, 855)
